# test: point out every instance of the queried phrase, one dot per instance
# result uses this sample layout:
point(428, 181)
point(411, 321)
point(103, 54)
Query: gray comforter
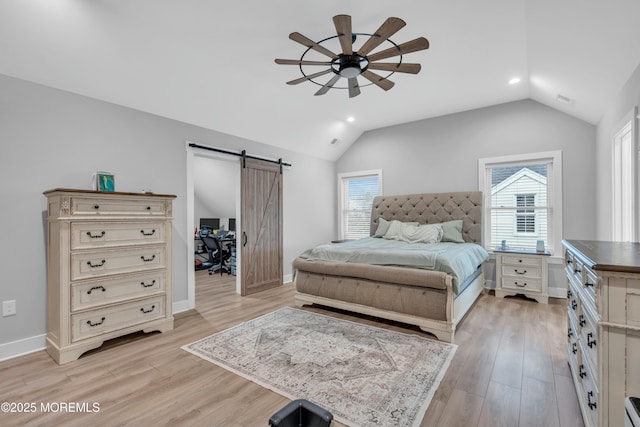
point(459, 260)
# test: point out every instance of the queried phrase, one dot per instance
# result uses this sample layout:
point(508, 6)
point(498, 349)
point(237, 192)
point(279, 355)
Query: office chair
point(218, 255)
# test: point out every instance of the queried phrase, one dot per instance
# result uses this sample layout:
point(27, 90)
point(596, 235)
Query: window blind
point(358, 192)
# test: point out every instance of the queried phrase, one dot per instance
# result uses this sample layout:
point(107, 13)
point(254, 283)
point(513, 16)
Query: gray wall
point(628, 98)
point(441, 154)
point(52, 138)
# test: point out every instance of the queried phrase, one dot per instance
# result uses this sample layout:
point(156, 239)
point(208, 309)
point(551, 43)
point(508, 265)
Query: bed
point(436, 301)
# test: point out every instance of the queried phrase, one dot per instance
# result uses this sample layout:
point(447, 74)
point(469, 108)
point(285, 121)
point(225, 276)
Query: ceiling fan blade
point(297, 37)
point(299, 62)
point(309, 77)
point(411, 46)
point(324, 89)
point(386, 30)
point(354, 88)
point(400, 68)
point(377, 80)
point(343, 28)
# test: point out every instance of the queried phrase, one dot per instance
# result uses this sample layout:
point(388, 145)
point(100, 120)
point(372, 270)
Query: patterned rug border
point(420, 412)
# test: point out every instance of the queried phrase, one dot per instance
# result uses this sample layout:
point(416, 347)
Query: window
point(357, 190)
point(525, 218)
point(522, 200)
point(624, 173)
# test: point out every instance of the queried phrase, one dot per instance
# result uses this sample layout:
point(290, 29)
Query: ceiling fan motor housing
point(349, 66)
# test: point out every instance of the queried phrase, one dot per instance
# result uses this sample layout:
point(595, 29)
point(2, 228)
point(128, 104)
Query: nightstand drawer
point(519, 260)
point(521, 271)
point(522, 284)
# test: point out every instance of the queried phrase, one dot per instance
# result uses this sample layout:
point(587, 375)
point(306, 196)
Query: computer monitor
point(211, 223)
point(232, 224)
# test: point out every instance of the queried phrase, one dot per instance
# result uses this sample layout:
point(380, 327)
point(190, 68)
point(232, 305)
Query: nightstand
point(522, 272)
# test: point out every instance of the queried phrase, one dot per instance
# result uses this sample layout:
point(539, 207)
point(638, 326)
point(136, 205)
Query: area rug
point(365, 376)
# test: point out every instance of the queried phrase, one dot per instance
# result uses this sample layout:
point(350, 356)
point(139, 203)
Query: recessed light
point(514, 80)
point(350, 119)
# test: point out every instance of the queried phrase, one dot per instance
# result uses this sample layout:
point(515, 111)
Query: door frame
point(192, 153)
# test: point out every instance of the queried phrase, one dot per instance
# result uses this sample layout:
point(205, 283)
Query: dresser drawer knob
point(592, 405)
point(148, 259)
point(574, 305)
point(587, 284)
point(569, 294)
point(97, 323)
point(519, 285)
point(577, 270)
point(515, 270)
point(574, 348)
point(96, 288)
point(144, 285)
point(148, 311)
point(96, 236)
point(569, 333)
point(582, 320)
point(96, 207)
point(591, 343)
point(148, 208)
point(96, 265)
point(148, 234)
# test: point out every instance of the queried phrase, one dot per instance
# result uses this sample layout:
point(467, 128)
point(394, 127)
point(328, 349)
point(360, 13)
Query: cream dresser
point(603, 311)
point(522, 272)
point(108, 268)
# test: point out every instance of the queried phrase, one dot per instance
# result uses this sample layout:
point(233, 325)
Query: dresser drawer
point(523, 284)
point(588, 335)
point(106, 206)
point(101, 321)
point(590, 393)
point(85, 265)
point(521, 271)
point(95, 293)
point(87, 235)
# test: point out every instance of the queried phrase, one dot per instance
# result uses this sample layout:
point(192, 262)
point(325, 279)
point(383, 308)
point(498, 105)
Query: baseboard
point(287, 278)
point(21, 347)
point(180, 306)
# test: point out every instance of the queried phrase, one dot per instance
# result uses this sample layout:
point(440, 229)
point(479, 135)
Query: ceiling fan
point(351, 63)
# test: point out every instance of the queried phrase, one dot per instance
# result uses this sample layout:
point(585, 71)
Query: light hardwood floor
point(509, 370)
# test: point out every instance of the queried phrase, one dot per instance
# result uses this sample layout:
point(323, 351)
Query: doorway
point(257, 214)
point(213, 198)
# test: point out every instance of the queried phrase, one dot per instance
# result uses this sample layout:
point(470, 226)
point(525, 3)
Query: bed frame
point(420, 297)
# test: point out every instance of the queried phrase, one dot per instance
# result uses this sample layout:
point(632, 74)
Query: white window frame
point(348, 175)
point(554, 192)
point(624, 168)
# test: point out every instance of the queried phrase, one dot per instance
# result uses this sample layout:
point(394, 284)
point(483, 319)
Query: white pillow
point(427, 233)
point(395, 226)
point(383, 226)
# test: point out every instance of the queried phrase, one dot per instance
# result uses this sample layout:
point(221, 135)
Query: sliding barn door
point(261, 222)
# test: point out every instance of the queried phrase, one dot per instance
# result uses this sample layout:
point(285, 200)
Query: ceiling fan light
point(349, 71)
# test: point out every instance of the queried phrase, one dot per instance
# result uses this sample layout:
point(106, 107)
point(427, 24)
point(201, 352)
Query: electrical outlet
point(8, 308)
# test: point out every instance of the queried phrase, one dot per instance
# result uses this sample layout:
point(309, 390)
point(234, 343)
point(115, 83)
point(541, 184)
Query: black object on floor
point(301, 413)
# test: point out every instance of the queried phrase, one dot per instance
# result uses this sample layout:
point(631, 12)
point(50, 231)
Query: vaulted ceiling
point(211, 63)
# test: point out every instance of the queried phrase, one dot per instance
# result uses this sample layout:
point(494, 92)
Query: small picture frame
point(105, 181)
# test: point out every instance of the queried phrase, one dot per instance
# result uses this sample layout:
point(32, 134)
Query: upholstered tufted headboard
point(430, 208)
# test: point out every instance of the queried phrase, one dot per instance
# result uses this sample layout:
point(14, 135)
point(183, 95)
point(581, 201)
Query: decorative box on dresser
point(522, 272)
point(108, 268)
point(603, 327)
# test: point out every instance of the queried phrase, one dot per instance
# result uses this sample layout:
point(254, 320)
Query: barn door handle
point(244, 239)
